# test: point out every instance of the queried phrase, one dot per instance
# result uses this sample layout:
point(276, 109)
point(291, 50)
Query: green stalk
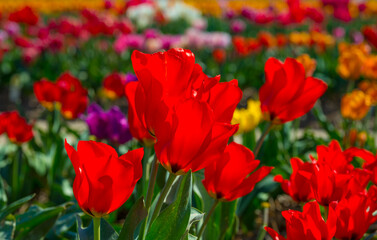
point(147, 154)
point(211, 211)
point(97, 228)
point(262, 232)
point(261, 139)
point(15, 174)
point(162, 197)
point(149, 196)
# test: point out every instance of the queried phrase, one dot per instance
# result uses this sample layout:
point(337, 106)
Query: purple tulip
point(111, 125)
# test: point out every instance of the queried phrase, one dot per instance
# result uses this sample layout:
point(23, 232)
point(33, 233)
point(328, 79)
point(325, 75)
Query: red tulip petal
point(221, 132)
point(274, 234)
point(135, 157)
point(73, 156)
point(137, 128)
point(192, 134)
point(171, 69)
point(314, 89)
point(249, 183)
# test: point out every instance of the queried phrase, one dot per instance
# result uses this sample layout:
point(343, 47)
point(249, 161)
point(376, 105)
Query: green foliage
point(174, 219)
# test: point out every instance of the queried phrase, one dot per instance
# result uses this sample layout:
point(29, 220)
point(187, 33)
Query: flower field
point(185, 119)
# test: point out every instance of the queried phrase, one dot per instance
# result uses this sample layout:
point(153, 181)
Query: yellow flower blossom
point(355, 105)
point(370, 67)
point(309, 64)
point(370, 89)
point(350, 64)
point(363, 47)
point(249, 118)
point(300, 38)
point(322, 40)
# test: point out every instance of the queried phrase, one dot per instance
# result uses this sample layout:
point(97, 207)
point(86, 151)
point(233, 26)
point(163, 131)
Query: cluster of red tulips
point(334, 183)
point(66, 94)
point(186, 116)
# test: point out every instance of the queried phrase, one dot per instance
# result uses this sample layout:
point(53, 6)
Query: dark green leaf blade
point(173, 221)
point(14, 206)
point(137, 213)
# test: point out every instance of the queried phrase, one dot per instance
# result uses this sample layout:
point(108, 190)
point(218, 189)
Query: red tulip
point(16, 127)
point(137, 129)
point(219, 55)
point(297, 185)
point(73, 104)
point(164, 79)
point(74, 100)
point(307, 224)
point(355, 215)
point(335, 157)
point(187, 112)
point(24, 15)
point(113, 85)
point(232, 174)
point(3, 122)
point(23, 42)
point(327, 185)
point(71, 96)
point(103, 180)
point(193, 140)
point(69, 83)
point(315, 14)
point(369, 158)
point(358, 183)
point(47, 93)
point(370, 35)
point(287, 93)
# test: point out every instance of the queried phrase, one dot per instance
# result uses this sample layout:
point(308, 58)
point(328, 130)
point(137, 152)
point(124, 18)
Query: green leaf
point(325, 124)
point(62, 225)
point(137, 213)
point(3, 195)
point(370, 237)
point(14, 206)
point(228, 215)
point(195, 216)
point(107, 231)
point(7, 228)
point(192, 237)
point(173, 220)
point(36, 222)
point(221, 221)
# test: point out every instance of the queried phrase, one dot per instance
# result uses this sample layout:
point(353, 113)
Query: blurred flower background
point(66, 73)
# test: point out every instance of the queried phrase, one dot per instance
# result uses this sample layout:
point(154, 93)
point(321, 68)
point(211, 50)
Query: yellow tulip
point(355, 105)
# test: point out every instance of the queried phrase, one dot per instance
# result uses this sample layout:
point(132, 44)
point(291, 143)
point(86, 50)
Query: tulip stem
point(162, 197)
point(152, 181)
point(15, 174)
point(262, 232)
point(145, 178)
point(261, 139)
point(149, 196)
point(97, 228)
point(211, 211)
